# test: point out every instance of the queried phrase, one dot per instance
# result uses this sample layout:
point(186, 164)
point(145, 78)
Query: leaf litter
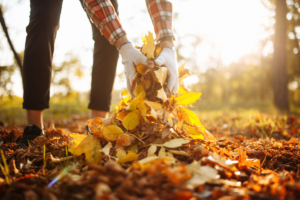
point(154, 147)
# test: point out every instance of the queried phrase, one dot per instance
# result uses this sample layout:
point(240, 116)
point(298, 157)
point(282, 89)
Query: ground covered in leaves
point(155, 147)
point(241, 164)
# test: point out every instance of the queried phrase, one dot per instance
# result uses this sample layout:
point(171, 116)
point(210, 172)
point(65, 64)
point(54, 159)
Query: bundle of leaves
point(148, 122)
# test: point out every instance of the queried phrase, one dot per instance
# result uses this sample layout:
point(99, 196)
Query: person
point(104, 16)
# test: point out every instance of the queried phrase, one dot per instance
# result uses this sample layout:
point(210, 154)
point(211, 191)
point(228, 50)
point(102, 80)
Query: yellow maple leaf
point(87, 144)
point(111, 132)
point(131, 156)
point(187, 98)
point(181, 90)
point(149, 47)
point(188, 116)
point(191, 131)
point(132, 120)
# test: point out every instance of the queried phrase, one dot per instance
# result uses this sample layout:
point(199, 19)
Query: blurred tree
point(4, 27)
point(61, 74)
point(6, 73)
point(280, 81)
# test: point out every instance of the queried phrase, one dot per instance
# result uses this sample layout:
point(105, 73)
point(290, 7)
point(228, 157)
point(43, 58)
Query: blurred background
point(243, 54)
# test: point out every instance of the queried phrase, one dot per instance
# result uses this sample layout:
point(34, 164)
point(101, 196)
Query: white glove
point(131, 55)
point(168, 58)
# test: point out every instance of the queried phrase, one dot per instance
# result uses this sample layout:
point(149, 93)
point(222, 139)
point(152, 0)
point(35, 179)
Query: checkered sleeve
point(103, 15)
point(161, 12)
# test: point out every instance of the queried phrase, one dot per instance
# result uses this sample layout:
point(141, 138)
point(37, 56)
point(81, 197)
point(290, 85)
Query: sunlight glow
point(227, 30)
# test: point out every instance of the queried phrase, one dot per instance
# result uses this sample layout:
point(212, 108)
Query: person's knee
point(44, 16)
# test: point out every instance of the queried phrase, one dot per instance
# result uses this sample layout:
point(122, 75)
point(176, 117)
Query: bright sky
point(227, 28)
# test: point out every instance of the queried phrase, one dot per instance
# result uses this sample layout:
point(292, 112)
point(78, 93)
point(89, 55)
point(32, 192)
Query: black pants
point(39, 48)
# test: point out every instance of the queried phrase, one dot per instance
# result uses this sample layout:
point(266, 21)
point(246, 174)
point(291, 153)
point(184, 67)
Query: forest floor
point(254, 156)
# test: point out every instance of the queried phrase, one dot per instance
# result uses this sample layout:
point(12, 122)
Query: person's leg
point(35, 117)
point(103, 73)
point(39, 47)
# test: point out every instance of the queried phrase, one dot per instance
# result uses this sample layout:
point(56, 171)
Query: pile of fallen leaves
point(152, 147)
point(148, 126)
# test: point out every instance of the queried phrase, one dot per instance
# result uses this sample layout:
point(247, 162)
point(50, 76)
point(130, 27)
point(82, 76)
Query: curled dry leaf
point(96, 125)
point(175, 143)
point(106, 149)
point(183, 72)
point(108, 121)
point(147, 159)
point(165, 133)
point(124, 140)
point(152, 150)
point(162, 153)
point(201, 175)
point(179, 152)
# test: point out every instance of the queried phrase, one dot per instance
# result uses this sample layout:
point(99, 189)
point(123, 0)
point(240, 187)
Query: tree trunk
point(281, 99)
point(294, 24)
point(3, 24)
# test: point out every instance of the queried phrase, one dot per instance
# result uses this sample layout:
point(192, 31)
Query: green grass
point(11, 111)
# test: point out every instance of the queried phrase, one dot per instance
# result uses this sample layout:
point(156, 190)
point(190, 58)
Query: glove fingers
point(176, 87)
point(143, 60)
point(128, 85)
point(160, 60)
point(171, 82)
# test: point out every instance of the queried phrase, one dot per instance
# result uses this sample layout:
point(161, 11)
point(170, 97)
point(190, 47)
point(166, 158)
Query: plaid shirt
point(103, 15)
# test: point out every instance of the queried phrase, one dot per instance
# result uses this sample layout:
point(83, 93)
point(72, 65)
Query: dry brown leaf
point(124, 140)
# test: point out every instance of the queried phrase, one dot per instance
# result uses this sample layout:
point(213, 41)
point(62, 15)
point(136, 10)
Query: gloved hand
point(131, 55)
point(168, 58)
